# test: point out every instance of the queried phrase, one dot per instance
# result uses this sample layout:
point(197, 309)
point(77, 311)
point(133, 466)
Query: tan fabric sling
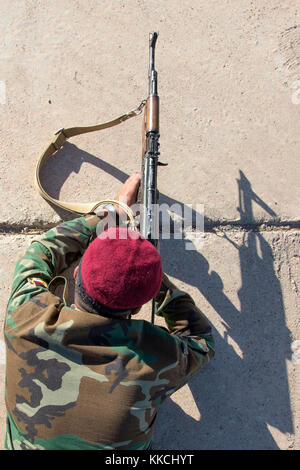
point(58, 141)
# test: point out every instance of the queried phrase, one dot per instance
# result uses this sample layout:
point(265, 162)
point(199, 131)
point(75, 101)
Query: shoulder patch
point(37, 281)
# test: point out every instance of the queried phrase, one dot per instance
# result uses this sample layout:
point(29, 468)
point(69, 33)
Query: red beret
point(121, 269)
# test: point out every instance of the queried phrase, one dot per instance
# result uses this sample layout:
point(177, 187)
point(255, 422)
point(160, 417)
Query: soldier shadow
point(241, 397)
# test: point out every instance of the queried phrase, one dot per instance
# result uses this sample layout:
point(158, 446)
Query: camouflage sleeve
point(48, 256)
point(186, 321)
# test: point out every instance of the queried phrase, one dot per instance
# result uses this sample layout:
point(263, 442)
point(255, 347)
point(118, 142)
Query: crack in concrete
point(209, 227)
point(252, 227)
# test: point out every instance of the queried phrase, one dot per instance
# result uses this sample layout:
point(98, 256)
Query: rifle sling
point(57, 143)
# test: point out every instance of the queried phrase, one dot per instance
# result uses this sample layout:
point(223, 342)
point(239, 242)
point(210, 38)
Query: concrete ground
point(229, 82)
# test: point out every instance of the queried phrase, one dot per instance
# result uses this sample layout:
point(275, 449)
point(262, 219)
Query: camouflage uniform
point(78, 380)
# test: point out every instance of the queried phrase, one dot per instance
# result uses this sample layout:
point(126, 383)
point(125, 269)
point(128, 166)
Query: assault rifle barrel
point(152, 71)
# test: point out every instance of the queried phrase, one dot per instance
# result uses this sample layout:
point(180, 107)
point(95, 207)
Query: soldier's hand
point(129, 190)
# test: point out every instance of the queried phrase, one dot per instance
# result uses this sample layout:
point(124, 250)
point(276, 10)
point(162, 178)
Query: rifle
point(148, 193)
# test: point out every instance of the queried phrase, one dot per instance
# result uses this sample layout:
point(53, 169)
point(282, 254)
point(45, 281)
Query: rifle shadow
point(240, 397)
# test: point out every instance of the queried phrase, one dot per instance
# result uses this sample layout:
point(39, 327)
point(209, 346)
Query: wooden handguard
point(152, 117)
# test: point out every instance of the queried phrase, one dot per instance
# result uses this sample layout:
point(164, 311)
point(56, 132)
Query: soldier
point(88, 376)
